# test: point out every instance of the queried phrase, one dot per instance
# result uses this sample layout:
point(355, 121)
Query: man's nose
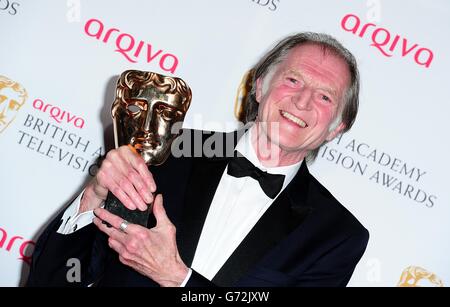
point(303, 99)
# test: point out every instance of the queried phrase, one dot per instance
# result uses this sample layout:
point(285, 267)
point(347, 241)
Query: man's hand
point(125, 174)
point(151, 252)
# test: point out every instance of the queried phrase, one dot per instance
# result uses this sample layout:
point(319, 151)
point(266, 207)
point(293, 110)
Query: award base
point(113, 205)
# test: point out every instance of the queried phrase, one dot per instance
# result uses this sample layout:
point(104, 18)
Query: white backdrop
point(390, 171)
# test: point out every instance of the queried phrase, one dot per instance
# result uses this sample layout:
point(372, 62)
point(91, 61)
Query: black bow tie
point(271, 184)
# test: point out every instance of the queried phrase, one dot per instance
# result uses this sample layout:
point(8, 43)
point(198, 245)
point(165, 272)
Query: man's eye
point(292, 80)
point(325, 98)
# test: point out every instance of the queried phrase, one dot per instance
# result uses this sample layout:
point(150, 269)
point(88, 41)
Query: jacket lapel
point(205, 177)
point(283, 216)
point(201, 188)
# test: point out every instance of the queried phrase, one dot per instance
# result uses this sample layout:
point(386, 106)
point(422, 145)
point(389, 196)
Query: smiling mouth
point(294, 119)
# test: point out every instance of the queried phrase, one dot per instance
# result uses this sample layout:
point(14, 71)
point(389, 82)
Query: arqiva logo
point(23, 248)
point(386, 43)
point(126, 45)
point(57, 114)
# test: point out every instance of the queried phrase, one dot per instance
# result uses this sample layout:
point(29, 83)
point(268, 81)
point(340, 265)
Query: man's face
point(304, 96)
point(145, 121)
point(10, 103)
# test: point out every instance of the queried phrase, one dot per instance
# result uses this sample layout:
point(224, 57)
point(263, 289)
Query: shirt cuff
point(72, 220)
point(186, 279)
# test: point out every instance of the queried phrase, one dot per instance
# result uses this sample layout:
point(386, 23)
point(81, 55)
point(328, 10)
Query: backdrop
point(59, 61)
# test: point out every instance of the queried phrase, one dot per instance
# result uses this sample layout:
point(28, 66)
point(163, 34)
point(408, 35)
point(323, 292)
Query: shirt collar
point(245, 147)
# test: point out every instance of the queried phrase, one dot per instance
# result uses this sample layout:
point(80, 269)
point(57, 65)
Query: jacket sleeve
point(335, 268)
point(64, 260)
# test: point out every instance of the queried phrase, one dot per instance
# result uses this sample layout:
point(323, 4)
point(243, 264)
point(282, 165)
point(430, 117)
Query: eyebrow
point(323, 88)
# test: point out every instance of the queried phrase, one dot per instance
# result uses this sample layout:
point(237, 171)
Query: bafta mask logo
point(414, 276)
point(242, 93)
point(12, 98)
point(146, 107)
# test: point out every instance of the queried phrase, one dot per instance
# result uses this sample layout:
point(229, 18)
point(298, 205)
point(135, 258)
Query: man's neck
point(269, 154)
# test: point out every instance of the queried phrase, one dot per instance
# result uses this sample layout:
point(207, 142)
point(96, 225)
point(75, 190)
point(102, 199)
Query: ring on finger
point(123, 226)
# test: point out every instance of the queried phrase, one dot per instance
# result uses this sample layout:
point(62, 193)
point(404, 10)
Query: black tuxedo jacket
point(305, 238)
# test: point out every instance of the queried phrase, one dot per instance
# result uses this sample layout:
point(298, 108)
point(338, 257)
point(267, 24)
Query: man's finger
point(110, 231)
point(114, 220)
point(159, 211)
point(122, 196)
point(133, 195)
point(139, 165)
point(108, 217)
point(141, 187)
point(130, 178)
point(132, 149)
point(116, 245)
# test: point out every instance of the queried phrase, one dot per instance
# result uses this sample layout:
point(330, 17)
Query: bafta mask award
point(146, 107)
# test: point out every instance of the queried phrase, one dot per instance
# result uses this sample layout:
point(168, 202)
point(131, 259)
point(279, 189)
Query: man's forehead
point(319, 62)
point(316, 55)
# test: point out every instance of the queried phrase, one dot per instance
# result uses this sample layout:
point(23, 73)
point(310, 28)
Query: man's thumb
point(158, 209)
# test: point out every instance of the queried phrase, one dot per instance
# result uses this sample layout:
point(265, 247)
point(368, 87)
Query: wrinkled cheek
point(324, 117)
point(263, 112)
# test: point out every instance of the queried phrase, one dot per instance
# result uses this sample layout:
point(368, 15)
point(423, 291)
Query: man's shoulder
point(329, 205)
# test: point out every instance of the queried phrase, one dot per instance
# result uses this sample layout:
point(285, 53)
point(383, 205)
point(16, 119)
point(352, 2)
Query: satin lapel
point(284, 215)
point(202, 185)
point(206, 175)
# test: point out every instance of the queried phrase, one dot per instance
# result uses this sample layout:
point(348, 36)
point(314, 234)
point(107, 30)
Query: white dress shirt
point(72, 220)
point(237, 206)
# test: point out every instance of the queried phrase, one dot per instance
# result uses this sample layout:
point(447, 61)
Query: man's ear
point(258, 92)
point(333, 133)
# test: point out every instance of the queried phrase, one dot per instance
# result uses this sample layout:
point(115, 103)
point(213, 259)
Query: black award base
point(113, 205)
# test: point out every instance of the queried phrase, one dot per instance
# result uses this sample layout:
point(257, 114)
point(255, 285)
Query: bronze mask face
point(146, 107)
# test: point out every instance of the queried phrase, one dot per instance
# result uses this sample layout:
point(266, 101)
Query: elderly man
point(258, 218)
